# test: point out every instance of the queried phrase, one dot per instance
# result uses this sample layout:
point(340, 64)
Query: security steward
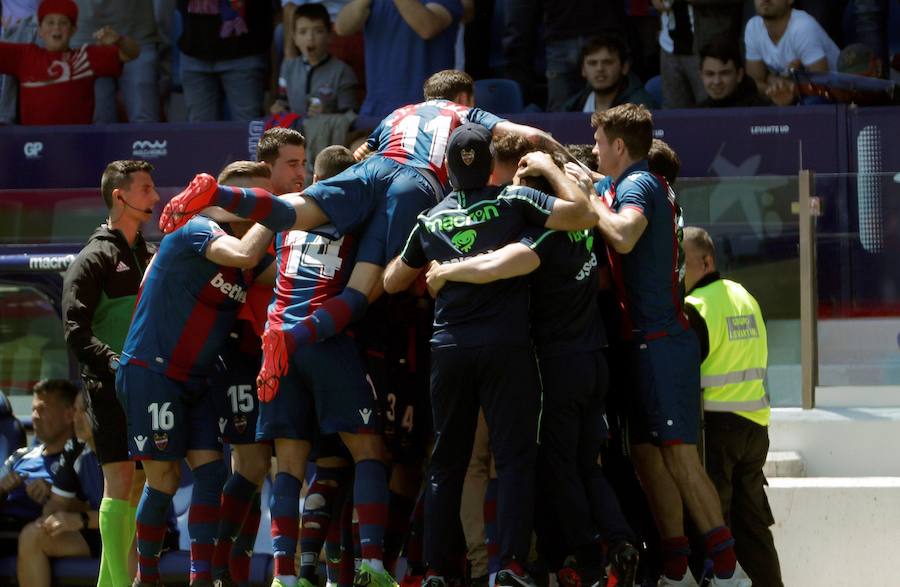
point(734, 351)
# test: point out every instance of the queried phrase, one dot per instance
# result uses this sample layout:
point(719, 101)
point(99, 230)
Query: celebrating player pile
point(343, 378)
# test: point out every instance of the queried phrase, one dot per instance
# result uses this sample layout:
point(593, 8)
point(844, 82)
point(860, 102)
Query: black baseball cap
point(470, 157)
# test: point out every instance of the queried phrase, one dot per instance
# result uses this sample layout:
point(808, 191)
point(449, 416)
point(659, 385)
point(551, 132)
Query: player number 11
point(439, 127)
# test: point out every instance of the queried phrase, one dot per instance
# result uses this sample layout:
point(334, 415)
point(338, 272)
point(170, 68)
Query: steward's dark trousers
point(736, 450)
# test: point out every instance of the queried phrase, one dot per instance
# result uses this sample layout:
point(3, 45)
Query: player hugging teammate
point(338, 372)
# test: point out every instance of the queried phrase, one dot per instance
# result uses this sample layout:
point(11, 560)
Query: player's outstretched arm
point(243, 253)
point(539, 138)
point(513, 260)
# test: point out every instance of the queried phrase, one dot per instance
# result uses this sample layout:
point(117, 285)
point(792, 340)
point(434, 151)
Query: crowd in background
point(203, 60)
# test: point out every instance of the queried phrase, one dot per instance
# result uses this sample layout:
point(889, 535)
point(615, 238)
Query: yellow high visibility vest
point(732, 374)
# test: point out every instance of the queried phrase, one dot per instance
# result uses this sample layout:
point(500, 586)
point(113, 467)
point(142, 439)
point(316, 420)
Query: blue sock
point(203, 517)
point(285, 508)
point(151, 530)
point(370, 497)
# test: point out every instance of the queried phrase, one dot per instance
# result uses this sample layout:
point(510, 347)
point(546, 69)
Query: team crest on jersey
point(161, 440)
point(464, 240)
point(240, 423)
point(468, 156)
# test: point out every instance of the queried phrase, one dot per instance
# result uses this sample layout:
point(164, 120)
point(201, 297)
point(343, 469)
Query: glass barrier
point(60, 215)
point(859, 278)
point(756, 234)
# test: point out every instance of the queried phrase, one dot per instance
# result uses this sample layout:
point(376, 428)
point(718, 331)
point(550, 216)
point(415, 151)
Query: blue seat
point(500, 96)
point(654, 88)
point(12, 433)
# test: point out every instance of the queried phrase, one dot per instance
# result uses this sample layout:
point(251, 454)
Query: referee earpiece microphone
point(144, 210)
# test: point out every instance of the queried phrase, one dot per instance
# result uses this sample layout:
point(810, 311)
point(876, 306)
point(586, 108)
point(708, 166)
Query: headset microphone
point(144, 210)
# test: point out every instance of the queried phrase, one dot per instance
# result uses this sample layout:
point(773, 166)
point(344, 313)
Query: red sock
point(675, 553)
point(720, 548)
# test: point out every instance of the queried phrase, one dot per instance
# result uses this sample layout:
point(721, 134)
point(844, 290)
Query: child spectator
point(315, 82)
point(56, 83)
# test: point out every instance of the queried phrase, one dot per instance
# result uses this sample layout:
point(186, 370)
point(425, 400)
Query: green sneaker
point(301, 582)
point(276, 582)
point(366, 576)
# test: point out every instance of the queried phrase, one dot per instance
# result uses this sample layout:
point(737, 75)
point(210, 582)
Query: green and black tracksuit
point(99, 293)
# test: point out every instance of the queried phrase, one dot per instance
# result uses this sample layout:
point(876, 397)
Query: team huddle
point(441, 292)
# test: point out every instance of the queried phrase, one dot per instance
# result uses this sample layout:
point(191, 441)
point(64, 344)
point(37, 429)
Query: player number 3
point(161, 417)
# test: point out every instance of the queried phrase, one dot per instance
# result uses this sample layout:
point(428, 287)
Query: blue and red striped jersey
point(312, 268)
point(417, 134)
point(648, 278)
point(186, 305)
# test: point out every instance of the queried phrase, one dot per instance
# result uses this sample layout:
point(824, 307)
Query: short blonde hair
point(248, 169)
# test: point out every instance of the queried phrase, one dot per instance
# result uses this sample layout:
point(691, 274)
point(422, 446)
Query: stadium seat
point(654, 88)
point(500, 96)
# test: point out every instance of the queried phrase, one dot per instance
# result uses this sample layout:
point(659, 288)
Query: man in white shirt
point(781, 38)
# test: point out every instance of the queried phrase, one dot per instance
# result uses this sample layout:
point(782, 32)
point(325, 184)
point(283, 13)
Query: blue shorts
point(166, 418)
point(326, 382)
point(667, 375)
point(232, 387)
point(387, 194)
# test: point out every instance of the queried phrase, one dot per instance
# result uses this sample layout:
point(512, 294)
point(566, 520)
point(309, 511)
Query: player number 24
point(161, 417)
point(241, 398)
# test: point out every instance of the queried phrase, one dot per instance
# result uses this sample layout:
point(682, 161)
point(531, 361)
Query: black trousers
point(575, 500)
point(736, 450)
point(503, 381)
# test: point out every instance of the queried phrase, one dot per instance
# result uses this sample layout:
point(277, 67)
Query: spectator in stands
point(605, 66)
point(722, 72)
point(687, 26)
point(29, 472)
point(18, 24)
point(70, 524)
point(678, 64)
point(138, 82)
point(781, 38)
point(734, 354)
point(315, 82)
point(569, 25)
point(56, 84)
point(406, 41)
point(224, 57)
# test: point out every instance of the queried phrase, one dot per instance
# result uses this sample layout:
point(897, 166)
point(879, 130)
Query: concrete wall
point(836, 531)
point(840, 442)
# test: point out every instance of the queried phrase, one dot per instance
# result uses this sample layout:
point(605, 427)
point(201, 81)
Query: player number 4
point(241, 398)
point(161, 417)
